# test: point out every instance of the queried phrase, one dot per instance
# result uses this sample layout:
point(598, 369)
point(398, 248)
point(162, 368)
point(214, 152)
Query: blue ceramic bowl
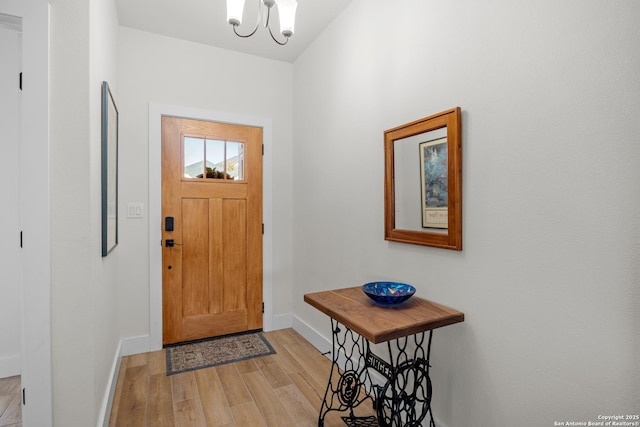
point(388, 293)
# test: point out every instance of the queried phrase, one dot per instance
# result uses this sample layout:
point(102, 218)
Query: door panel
point(195, 256)
point(216, 261)
point(234, 240)
point(212, 274)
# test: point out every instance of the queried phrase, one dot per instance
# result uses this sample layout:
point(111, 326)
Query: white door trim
point(10, 254)
point(156, 111)
point(37, 376)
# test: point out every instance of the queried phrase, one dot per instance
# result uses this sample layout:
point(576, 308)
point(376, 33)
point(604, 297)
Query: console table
point(357, 322)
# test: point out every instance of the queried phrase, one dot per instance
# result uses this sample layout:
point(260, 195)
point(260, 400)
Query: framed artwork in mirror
point(423, 181)
point(434, 183)
point(109, 171)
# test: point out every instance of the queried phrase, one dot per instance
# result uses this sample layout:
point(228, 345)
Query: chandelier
point(286, 14)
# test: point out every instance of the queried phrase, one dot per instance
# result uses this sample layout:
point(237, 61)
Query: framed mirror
point(423, 181)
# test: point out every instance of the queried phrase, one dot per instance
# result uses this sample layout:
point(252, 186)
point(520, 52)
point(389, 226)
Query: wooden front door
point(212, 229)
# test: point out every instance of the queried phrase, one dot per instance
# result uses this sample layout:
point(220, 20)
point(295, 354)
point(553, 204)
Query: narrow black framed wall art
point(109, 171)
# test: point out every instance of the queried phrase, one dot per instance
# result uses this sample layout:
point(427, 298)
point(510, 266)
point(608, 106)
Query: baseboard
point(137, 345)
point(107, 401)
point(126, 347)
point(310, 334)
point(324, 345)
point(10, 366)
point(281, 321)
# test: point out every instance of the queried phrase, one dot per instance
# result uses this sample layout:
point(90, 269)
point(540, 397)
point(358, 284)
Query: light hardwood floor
point(284, 389)
point(10, 402)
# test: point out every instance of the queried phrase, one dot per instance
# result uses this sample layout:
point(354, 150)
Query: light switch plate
point(135, 210)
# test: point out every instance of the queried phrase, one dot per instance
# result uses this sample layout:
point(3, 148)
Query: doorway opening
point(156, 221)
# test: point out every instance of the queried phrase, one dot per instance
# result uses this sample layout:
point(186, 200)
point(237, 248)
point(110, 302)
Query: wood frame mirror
point(423, 181)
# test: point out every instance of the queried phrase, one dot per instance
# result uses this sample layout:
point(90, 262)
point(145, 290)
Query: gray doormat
point(216, 351)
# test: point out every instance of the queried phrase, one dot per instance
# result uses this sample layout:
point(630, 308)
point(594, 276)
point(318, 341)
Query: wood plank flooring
point(280, 390)
point(10, 402)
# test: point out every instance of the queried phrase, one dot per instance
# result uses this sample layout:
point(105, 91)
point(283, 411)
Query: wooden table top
point(379, 323)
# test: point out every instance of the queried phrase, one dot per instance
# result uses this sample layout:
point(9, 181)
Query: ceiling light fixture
point(286, 14)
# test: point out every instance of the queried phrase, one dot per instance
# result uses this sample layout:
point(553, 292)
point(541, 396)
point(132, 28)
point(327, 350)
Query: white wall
point(104, 41)
point(10, 272)
point(161, 70)
point(35, 215)
point(73, 344)
point(84, 306)
point(549, 275)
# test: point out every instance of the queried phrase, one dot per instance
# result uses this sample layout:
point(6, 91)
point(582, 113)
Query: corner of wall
point(280, 321)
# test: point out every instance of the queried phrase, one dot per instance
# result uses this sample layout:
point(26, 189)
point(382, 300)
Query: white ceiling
point(205, 21)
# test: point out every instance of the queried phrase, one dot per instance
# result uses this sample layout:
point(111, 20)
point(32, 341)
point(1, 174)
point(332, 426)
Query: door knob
point(169, 243)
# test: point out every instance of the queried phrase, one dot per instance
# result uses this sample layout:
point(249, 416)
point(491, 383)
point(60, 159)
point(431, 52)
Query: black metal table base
point(403, 400)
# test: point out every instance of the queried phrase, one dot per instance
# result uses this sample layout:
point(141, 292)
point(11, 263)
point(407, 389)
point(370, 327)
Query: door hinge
point(263, 149)
point(20, 238)
point(263, 228)
point(263, 308)
point(20, 80)
point(24, 397)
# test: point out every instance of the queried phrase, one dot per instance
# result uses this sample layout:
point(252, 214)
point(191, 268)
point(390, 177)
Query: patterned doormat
point(216, 351)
